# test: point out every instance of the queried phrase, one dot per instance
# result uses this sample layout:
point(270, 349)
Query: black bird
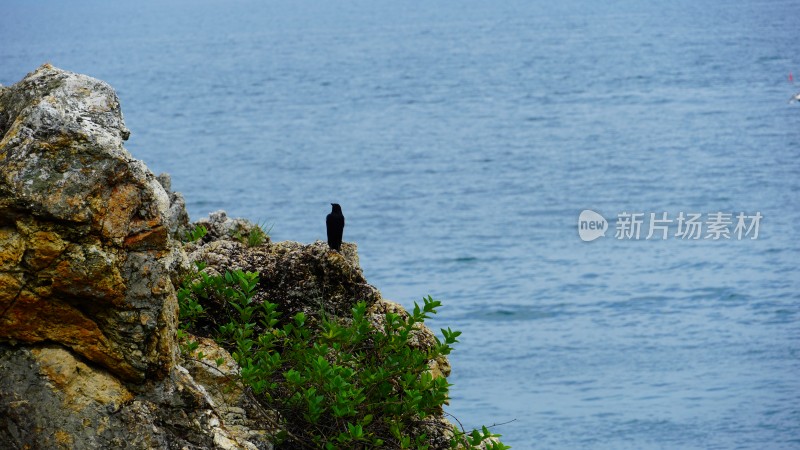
point(335, 224)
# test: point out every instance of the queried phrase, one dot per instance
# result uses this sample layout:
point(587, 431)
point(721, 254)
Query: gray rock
point(88, 312)
point(83, 229)
point(50, 399)
point(177, 216)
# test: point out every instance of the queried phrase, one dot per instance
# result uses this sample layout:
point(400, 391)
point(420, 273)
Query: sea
point(464, 139)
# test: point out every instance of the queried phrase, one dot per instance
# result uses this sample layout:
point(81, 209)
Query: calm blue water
point(463, 138)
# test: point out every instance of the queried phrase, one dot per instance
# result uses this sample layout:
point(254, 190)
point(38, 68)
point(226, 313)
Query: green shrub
point(336, 382)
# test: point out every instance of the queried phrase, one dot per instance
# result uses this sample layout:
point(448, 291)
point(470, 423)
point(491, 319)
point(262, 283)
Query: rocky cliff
point(89, 262)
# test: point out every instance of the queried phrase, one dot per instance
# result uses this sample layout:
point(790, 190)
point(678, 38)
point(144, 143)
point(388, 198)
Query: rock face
point(84, 246)
point(51, 399)
point(88, 350)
